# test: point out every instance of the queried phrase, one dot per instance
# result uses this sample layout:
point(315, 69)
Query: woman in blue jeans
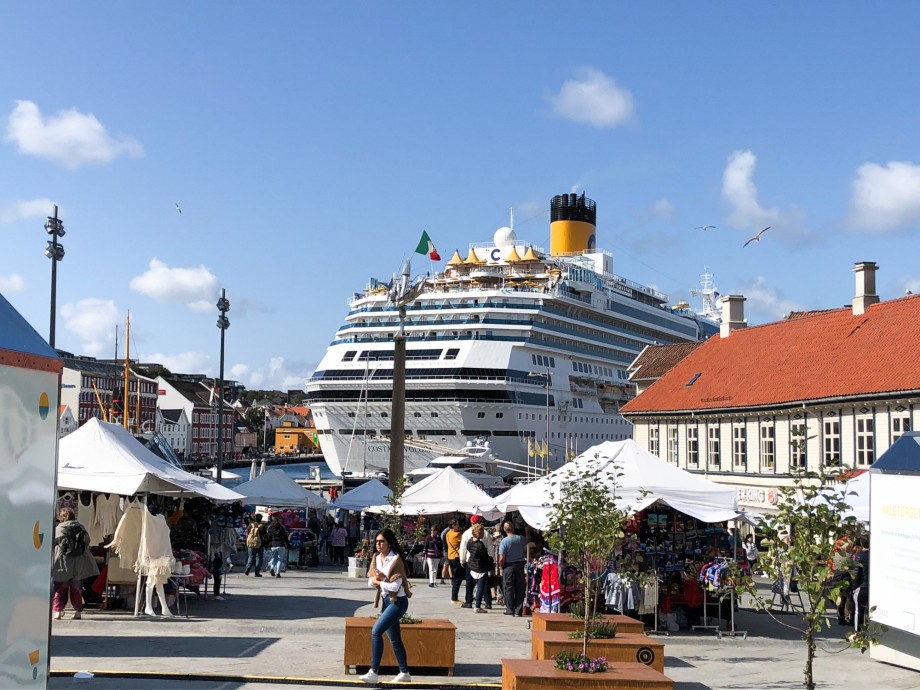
point(388, 574)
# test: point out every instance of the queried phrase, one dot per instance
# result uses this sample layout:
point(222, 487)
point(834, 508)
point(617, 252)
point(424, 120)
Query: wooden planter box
point(545, 644)
point(563, 621)
point(526, 674)
point(429, 645)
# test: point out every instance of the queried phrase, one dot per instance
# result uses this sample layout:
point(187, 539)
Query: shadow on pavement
point(158, 646)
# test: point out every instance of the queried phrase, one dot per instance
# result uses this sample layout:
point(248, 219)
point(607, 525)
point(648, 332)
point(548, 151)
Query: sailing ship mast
point(125, 404)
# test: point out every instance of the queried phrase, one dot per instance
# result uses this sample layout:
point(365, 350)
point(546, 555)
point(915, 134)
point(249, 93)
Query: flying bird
point(756, 238)
point(178, 208)
point(705, 227)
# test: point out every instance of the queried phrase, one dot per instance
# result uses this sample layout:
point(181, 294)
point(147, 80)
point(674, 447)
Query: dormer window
point(693, 379)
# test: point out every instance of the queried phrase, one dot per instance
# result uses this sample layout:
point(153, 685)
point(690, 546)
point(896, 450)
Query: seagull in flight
point(756, 238)
point(178, 208)
point(705, 227)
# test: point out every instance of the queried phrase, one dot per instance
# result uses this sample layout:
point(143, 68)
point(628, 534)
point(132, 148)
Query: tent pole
point(137, 593)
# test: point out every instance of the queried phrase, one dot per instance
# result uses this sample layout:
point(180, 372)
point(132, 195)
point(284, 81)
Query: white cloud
point(739, 190)
point(593, 98)
point(70, 138)
point(764, 303)
point(183, 362)
point(23, 210)
point(885, 198)
point(278, 374)
point(663, 210)
point(93, 321)
point(196, 287)
point(12, 283)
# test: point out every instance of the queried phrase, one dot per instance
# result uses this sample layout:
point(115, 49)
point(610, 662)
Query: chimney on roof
point(732, 314)
point(865, 286)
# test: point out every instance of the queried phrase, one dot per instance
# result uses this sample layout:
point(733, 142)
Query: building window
point(672, 445)
point(739, 446)
point(831, 441)
point(865, 441)
point(693, 446)
point(798, 444)
point(900, 422)
point(767, 445)
point(653, 440)
point(714, 451)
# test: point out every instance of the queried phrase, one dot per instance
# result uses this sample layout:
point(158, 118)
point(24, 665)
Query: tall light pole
point(55, 252)
point(223, 323)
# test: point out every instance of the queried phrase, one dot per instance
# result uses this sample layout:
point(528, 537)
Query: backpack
point(71, 540)
point(254, 537)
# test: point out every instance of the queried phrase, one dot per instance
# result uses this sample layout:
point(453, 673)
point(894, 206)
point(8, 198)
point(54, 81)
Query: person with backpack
point(276, 537)
point(255, 542)
point(71, 563)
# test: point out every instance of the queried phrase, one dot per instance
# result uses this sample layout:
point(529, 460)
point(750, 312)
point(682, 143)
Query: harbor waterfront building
point(750, 406)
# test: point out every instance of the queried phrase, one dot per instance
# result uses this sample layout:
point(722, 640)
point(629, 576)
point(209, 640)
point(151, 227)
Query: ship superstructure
point(511, 343)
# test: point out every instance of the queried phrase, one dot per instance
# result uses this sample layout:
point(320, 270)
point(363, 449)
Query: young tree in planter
point(806, 530)
point(586, 526)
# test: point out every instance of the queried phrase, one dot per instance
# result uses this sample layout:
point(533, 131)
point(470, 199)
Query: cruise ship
point(524, 347)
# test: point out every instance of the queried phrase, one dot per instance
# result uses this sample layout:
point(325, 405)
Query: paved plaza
point(271, 631)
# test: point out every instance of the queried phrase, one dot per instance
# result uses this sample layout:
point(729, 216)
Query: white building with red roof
point(751, 405)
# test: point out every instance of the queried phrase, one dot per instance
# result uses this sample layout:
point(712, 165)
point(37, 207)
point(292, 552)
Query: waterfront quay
point(290, 630)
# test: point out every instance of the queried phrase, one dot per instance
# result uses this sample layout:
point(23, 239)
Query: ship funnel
point(573, 220)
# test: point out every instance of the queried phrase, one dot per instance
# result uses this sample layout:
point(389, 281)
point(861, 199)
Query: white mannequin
point(158, 587)
point(143, 539)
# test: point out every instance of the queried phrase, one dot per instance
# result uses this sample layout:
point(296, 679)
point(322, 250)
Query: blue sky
point(308, 145)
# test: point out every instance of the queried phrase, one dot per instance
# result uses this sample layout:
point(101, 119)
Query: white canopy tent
point(106, 458)
point(637, 478)
point(371, 493)
point(855, 493)
point(224, 474)
point(275, 488)
point(445, 491)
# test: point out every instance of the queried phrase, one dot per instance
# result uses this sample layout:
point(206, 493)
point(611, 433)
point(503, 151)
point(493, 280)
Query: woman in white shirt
point(389, 575)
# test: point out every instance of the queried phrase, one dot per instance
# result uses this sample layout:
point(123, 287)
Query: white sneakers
point(371, 677)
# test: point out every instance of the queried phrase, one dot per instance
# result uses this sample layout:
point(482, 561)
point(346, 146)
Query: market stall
point(446, 491)
point(371, 493)
point(105, 474)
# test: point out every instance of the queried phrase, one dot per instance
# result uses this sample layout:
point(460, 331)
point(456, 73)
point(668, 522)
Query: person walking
point(255, 535)
point(751, 554)
point(433, 554)
point(860, 584)
point(71, 563)
point(453, 539)
point(388, 574)
point(464, 557)
point(339, 539)
point(479, 563)
point(277, 537)
point(511, 560)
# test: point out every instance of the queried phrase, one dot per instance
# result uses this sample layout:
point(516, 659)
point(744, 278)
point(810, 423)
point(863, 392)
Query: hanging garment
point(108, 513)
point(86, 515)
point(142, 540)
point(550, 589)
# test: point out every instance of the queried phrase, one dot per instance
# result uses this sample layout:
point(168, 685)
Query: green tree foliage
point(806, 535)
point(586, 526)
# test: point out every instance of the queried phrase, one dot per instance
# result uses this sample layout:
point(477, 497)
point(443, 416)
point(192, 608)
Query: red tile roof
point(657, 360)
point(815, 356)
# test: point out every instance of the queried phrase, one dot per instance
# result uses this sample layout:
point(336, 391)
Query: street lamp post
point(223, 323)
point(55, 252)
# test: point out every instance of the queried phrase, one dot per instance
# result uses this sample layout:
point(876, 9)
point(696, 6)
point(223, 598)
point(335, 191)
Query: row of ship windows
point(387, 355)
point(424, 433)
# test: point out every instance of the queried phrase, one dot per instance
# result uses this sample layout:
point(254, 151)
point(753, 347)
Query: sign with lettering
point(755, 494)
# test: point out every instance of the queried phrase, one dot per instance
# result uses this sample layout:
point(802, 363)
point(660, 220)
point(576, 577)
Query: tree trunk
point(810, 659)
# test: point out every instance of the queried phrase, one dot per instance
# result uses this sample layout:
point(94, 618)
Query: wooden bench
point(429, 644)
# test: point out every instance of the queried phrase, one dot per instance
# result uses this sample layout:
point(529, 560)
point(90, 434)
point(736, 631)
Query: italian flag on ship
point(426, 246)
